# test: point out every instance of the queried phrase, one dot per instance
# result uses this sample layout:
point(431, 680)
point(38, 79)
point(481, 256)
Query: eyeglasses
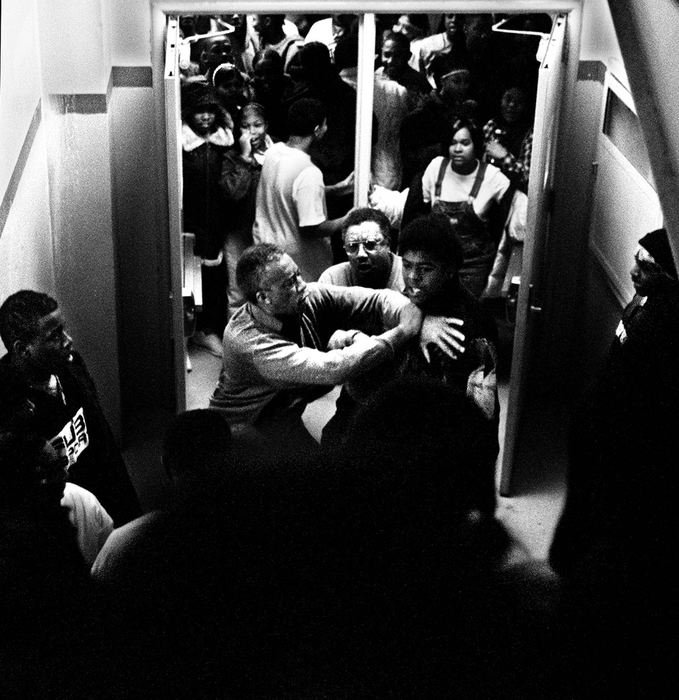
point(368, 246)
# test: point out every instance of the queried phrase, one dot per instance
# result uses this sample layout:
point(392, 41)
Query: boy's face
point(424, 277)
point(51, 348)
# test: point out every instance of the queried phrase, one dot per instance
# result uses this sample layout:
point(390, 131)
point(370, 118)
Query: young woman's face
point(254, 125)
point(461, 150)
point(202, 122)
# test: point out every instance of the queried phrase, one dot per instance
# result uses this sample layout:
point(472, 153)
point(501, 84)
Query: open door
point(540, 197)
point(174, 171)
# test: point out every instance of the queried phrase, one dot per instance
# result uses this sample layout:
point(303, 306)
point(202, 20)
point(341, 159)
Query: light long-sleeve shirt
point(260, 362)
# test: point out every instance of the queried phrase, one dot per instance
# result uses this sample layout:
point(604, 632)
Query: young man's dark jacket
point(99, 467)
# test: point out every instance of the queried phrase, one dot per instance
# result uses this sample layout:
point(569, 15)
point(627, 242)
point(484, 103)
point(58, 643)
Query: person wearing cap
point(206, 135)
point(619, 527)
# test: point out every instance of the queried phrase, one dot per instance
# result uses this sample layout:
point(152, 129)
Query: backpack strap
point(439, 177)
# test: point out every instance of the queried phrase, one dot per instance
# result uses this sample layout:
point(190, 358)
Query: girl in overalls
point(468, 191)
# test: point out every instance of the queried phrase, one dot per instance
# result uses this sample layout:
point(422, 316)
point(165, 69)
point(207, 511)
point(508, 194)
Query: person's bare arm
point(322, 230)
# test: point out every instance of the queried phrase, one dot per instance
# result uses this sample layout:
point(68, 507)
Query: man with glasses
point(366, 240)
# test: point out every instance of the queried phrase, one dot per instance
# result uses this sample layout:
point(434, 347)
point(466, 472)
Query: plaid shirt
point(515, 167)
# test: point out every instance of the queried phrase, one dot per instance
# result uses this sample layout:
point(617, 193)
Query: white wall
point(26, 256)
point(75, 46)
point(20, 80)
point(26, 242)
point(599, 41)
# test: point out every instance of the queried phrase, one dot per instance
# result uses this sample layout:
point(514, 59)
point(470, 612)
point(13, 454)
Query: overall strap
point(286, 49)
point(439, 178)
point(480, 174)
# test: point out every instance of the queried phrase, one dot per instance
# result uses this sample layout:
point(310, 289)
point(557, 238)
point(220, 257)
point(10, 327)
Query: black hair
point(199, 96)
point(401, 40)
point(270, 55)
point(361, 214)
point(252, 107)
point(305, 115)
point(317, 67)
point(420, 21)
point(20, 314)
point(346, 52)
point(434, 235)
point(196, 443)
point(251, 266)
point(474, 132)
point(445, 63)
point(225, 72)
point(274, 20)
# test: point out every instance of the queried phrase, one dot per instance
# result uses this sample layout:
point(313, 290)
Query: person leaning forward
point(291, 341)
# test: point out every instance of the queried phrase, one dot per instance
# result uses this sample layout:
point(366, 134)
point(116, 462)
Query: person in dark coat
point(207, 133)
point(60, 400)
point(619, 524)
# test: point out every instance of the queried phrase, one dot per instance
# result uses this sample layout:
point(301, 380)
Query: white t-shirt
point(291, 194)
point(390, 105)
point(456, 187)
point(92, 522)
point(107, 565)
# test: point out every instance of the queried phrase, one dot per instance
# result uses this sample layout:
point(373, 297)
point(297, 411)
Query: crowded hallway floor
point(532, 511)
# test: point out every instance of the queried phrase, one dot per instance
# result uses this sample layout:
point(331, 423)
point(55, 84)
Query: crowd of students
point(371, 565)
point(269, 110)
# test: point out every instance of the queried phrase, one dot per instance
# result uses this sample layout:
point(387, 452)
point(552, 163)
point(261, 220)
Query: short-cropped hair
point(305, 115)
point(20, 314)
point(252, 265)
point(361, 214)
point(434, 235)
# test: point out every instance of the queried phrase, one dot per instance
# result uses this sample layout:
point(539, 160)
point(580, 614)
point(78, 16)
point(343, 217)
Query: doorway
point(525, 298)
